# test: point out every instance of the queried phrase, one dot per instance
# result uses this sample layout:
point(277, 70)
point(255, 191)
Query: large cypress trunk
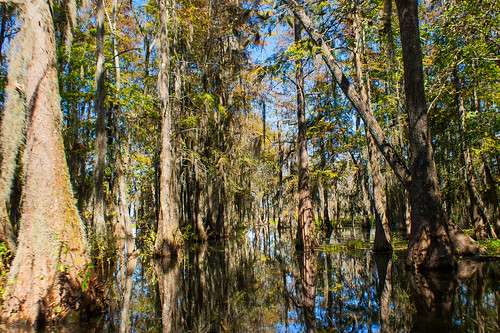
point(168, 238)
point(49, 266)
point(430, 246)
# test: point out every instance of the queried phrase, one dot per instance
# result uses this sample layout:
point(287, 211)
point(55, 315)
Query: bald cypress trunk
point(99, 224)
point(168, 238)
point(49, 266)
point(305, 229)
point(12, 130)
point(382, 241)
point(430, 245)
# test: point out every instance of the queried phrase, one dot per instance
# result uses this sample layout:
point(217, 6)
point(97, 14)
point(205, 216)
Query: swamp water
point(259, 283)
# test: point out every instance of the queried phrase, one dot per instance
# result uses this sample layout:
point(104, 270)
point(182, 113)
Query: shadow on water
point(260, 283)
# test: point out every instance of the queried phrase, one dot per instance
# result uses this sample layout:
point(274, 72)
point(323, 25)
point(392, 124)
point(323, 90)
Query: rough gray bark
point(99, 224)
point(168, 237)
point(382, 241)
point(12, 128)
point(305, 228)
point(430, 246)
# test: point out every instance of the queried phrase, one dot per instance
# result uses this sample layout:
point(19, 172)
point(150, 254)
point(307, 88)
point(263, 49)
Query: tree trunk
point(99, 224)
point(430, 246)
point(477, 214)
point(305, 229)
point(280, 180)
point(48, 270)
point(121, 146)
point(382, 241)
point(327, 224)
point(199, 203)
point(168, 238)
point(12, 128)
point(492, 199)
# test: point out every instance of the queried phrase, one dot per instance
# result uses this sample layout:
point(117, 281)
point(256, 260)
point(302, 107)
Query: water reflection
point(127, 279)
point(383, 262)
point(307, 264)
point(264, 285)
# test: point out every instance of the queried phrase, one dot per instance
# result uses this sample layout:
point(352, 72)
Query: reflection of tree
point(128, 282)
point(478, 308)
point(167, 270)
point(384, 270)
point(348, 301)
point(242, 287)
point(480, 291)
point(307, 264)
point(433, 294)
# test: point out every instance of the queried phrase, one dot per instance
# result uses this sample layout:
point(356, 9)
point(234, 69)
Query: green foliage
point(104, 252)
point(148, 242)
point(5, 258)
point(350, 245)
point(492, 246)
point(188, 234)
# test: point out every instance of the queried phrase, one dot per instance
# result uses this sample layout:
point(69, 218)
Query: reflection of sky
point(264, 289)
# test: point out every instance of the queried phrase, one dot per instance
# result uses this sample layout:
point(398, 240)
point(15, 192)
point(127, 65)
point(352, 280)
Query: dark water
point(261, 284)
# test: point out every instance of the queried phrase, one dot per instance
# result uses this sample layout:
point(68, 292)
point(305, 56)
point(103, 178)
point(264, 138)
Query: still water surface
point(259, 283)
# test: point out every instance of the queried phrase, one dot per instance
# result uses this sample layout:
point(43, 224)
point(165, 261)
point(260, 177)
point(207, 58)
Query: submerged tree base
point(463, 243)
point(430, 252)
point(67, 298)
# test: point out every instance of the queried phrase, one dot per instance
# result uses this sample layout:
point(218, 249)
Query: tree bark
point(327, 224)
point(122, 147)
point(382, 241)
point(50, 265)
point(305, 228)
point(430, 245)
point(492, 199)
point(12, 129)
point(168, 238)
point(99, 224)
